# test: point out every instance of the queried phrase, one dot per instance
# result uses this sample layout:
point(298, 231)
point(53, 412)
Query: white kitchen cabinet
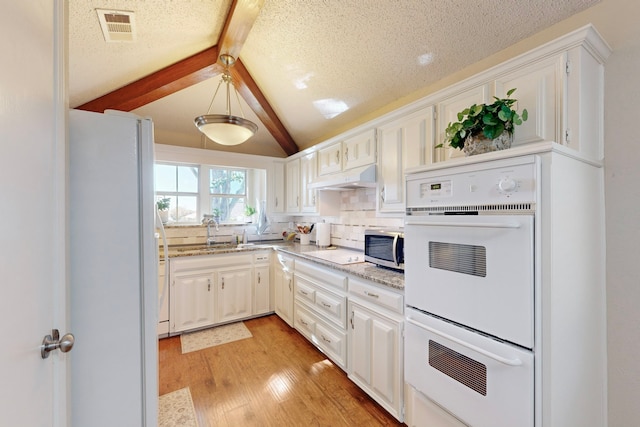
point(330, 159)
point(192, 300)
point(233, 294)
point(355, 151)
point(308, 172)
point(277, 195)
point(539, 87)
point(292, 175)
point(262, 283)
point(403, 143)
point(283, 283)
point(448, 110)
point(376, 344)
point(320, 309)
point(359, 150)
point(300, 173)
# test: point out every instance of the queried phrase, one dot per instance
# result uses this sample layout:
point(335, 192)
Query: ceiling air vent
point(117, 25)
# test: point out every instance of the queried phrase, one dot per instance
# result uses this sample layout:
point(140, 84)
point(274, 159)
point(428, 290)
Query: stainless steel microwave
point(385, 247)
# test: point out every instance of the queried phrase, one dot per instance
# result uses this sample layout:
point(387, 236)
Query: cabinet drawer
point(262, 258)
point(333, 306)
point(333, 342)
point(376, 295)
point(304, 322)
point(304, 292)
point(323, 275)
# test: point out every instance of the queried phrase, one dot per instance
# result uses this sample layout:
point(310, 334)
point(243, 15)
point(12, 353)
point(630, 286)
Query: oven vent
point(510, 208)
point(461, 368)
point(117, 25)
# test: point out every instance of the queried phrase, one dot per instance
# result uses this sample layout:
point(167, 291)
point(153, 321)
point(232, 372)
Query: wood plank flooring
point(275, 378)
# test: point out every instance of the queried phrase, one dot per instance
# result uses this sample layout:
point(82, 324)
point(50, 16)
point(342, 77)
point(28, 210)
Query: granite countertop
point(365, 270)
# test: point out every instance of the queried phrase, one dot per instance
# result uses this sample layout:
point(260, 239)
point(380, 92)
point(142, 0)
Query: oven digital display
point(436, 190)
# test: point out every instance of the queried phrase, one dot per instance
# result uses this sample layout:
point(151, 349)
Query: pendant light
point(226, 129)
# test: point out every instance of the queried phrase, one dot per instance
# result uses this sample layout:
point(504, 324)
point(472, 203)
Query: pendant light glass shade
point(226, 129)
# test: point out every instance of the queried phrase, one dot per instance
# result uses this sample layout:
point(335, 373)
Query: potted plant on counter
point(163, 208)
point(482, 128)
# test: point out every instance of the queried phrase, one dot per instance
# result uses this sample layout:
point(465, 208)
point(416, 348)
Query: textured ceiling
point(322, 64)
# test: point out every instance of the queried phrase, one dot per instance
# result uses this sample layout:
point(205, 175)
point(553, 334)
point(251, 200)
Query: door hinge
point(567, 67)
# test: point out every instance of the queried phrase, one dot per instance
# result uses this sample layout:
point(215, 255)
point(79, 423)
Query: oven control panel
point(500, 181)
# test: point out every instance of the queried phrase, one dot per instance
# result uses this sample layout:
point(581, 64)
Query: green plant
point(248, 210)
point(489, 120)
point(215, 212)
point(163, 204)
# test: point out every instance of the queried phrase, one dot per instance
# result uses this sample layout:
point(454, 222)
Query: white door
point(32, 248)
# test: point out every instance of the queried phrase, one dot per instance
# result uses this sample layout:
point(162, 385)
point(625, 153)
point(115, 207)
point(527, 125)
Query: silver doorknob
point(53, 341)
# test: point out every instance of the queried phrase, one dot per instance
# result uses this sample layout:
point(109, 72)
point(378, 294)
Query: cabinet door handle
point(258, 278)
point(352, 315)
point(346, 153)
point(223, 283)
point(208, 285)
point(337, 156)
point(382, 194)
point(289, 284)
point(276, 202)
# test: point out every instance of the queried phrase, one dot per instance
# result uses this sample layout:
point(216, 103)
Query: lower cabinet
point(192, 300)
point(212, 289)
point(233, 294)
point(376, 345)
point(320, 310)
point(283, 287)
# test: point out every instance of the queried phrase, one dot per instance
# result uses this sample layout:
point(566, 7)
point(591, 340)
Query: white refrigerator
point(113, 270)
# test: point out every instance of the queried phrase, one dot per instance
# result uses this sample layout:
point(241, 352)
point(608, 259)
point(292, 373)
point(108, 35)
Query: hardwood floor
point(275, 378)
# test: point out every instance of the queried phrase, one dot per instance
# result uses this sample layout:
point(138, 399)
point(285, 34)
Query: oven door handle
point(464, 224)
point(503, 360)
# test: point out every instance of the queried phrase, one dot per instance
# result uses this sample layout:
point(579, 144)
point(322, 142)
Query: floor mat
point(176, 409)
point(214, 336)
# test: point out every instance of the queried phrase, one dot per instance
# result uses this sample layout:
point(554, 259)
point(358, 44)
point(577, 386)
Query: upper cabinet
point(403, 143)
point(300, 173)
point(560, 84)
point(358, 150)
point(277, 188)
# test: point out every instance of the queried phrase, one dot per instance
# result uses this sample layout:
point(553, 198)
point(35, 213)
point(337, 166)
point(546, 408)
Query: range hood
point(364, 176)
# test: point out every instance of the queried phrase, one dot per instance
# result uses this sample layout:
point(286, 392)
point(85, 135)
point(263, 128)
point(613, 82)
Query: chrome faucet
point(210, 219)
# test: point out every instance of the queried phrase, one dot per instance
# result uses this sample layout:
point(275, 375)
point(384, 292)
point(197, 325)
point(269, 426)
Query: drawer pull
point(304, 323)
point(258, 278)
point(369, 294)
point(304, 293)
point(325, 339)
point(326, 305)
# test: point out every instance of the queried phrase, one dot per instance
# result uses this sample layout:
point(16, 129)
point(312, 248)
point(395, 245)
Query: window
point(228, 193)
point(196, 190)
point(178, 183)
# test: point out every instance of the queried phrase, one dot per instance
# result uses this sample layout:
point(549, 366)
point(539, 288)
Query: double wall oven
point(469, 289)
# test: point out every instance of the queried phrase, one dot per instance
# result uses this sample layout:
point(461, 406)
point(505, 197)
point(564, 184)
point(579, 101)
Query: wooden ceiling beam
point(253, 96)
point(202, 66)
point(169, 80)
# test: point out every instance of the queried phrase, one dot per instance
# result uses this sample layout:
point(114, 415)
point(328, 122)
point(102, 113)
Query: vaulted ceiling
point(307, 69)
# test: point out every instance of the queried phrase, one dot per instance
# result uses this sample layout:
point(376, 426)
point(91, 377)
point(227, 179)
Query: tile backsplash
point(357, 213)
